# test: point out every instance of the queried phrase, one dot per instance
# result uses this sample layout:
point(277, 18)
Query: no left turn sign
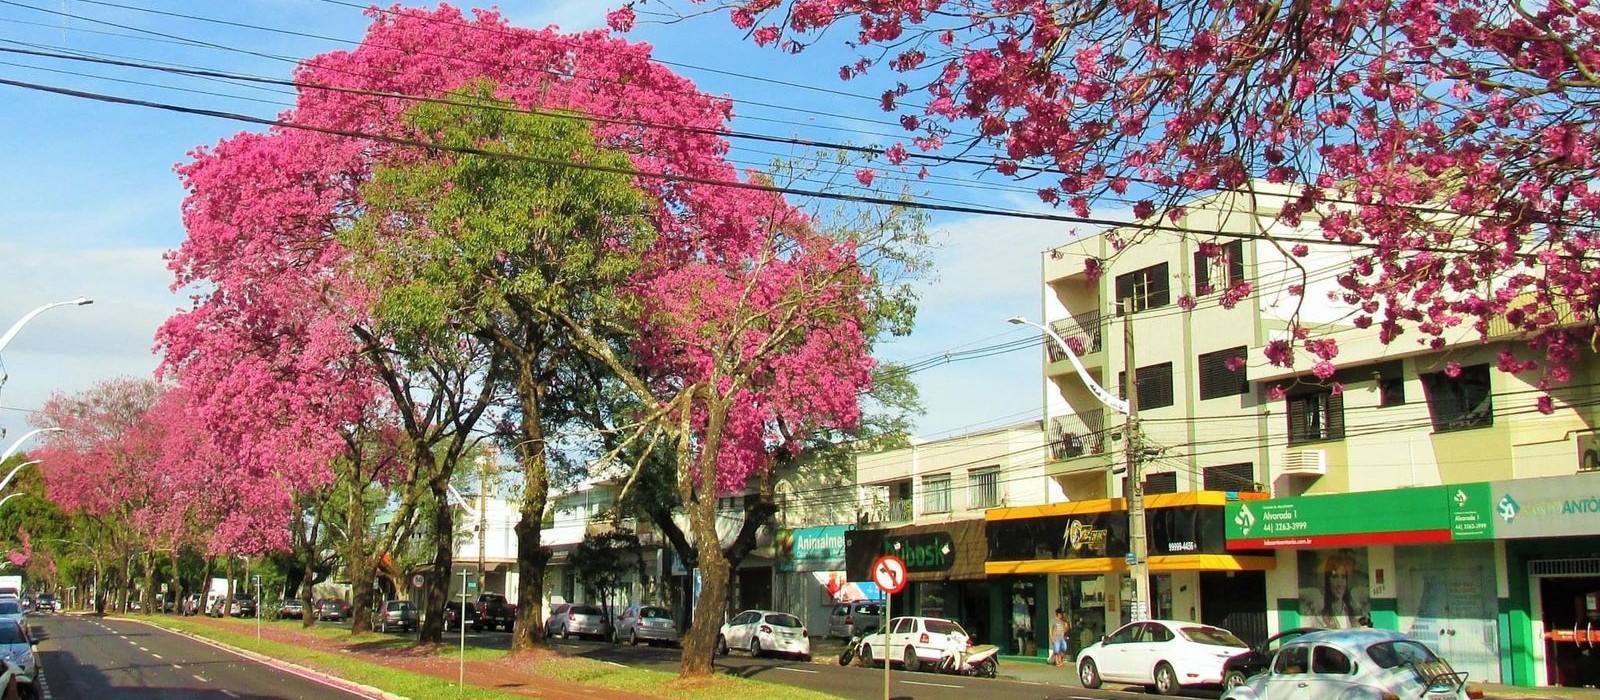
point(889, 572)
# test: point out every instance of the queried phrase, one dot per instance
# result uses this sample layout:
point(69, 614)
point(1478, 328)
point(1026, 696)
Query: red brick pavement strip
point(506, 675)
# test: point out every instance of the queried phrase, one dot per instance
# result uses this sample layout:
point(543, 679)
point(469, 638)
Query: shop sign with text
point(1552, 506)
point(811, 549)
point(1399, 516)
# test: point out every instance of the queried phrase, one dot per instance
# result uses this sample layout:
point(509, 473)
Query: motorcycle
point(981, 661)
point(853, 649)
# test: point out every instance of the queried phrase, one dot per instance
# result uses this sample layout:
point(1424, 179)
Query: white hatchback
point(914, 641)
point(1166, 655)
point(763, 632)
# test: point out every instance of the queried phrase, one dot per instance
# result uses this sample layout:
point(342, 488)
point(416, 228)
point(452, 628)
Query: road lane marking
point(143, 649)
point(199, 678)
point(934, 685)
point(229, 693)
point(796, 670)
point(156, 655)
point(177, 667)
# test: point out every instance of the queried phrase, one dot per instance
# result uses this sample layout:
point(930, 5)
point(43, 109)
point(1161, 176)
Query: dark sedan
point(1248, 663)
point(331, 609)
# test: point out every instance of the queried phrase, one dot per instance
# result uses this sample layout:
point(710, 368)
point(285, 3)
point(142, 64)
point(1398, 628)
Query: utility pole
point(483, 518)
point(1133, 490)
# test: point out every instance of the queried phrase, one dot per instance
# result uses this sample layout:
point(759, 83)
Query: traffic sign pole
point(886, 618)
point(889, 572)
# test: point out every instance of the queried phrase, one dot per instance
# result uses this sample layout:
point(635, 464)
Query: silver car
point(848, 618)
point(16, 650)
point(647, 623)
point(1360, 662)
point(585, 621)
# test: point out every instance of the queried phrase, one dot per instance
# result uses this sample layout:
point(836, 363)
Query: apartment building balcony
point(1079, 442)
point(1085, 334)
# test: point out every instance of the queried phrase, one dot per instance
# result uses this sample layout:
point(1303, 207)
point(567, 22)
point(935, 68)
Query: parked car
point(11, 609)
point(16, 650)
point(47, 602)
point(397, 614)
point(8, 683)
point(242, 605)
point(1361, 662)
point(1167, 655)
point(557, 618)
point(494, 611)
point(585, 621)
point(452, 612)
point(651, 624)
point(1246, 664)
point(846, 619)
point(291, 609)
point(914, 642)
point(765, 631)
point(331, 610)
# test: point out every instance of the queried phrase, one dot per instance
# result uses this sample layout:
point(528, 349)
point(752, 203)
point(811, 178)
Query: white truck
point(11, 586)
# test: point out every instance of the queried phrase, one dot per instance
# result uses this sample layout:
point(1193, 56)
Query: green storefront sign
point(1399, 516)
point(812, 549)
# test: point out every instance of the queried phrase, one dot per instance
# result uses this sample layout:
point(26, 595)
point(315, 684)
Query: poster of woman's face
point(1333, 588)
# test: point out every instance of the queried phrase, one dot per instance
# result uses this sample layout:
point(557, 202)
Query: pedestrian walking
point(1059, 629)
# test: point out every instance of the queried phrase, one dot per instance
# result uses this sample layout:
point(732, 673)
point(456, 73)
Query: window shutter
point(1297, 419)
point(1161, 482)
point(1235, 262)
point(1202, 274)
point(1216, 379)
point(1231, 477)
point(1336, 417)
point(1160, 292)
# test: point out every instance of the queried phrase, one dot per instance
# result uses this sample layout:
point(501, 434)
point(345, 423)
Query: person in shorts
point(1059, 629)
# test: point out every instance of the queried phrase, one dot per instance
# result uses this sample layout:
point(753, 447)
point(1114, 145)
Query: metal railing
point(1082, 333)
point(1078, 435)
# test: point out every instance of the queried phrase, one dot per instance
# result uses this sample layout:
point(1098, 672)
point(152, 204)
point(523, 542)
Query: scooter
point(982, 661)
point(853, 649)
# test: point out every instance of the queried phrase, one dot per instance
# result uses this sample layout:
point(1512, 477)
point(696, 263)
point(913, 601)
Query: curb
point(278, 664)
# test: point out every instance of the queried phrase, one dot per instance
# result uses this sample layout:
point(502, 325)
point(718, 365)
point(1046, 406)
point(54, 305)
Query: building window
point(983, 488)
point(1220, 272)
point(1161, 482)
point(1143, 289)
point(1231, 477)
point(1155, 385)
point(1391, 391)
point(900, 501)
point(936, 493)
point(1461, 402)
point(1314, 416)
point(1217, 380)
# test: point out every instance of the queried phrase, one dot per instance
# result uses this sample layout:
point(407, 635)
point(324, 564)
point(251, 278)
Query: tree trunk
point(699, 644)
point(444, 533)
point(149, 583)
point(205, 584)
point(362, 565)
point(308, 615)
point(175, 585)
point(528, 631)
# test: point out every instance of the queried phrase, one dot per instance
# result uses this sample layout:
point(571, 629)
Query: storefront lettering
point(932, 551)
point(1183, 546)
point(1080, 534)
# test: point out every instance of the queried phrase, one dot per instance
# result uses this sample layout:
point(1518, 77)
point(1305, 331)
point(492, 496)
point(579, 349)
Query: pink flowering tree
point(1446, 143)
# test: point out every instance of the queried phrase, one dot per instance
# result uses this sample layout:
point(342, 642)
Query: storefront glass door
point(1447, 601)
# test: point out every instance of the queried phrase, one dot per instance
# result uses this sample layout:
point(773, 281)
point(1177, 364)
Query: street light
point(1138, 549)
point(7, 481)
point(7, 498)
point(12, 450)
point(12, 332)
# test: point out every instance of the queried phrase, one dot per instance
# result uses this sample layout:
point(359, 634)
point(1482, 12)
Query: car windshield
point(943, 627)
point(869, 609)
point(11, 634)
point(291, 601)
point(586, 610)
point(782, 620)
point(399, 605)
point(1214, 636)
point(1399, 652)
point(9, 607)
point(655, 614)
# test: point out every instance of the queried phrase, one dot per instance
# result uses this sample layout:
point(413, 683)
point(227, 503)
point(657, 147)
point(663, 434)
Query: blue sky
point(91, 203)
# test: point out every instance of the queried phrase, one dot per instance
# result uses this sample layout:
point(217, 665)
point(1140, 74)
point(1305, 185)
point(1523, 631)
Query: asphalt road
point(86, 658)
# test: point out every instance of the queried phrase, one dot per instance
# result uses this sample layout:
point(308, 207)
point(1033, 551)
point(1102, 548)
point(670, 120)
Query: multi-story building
point(926, 504)
point(1418, 488)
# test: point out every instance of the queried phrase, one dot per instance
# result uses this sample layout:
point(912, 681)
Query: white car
point(16, 650)
point(1358, 662)
point(1166, 655)
point(763, 632)
point(914, 642)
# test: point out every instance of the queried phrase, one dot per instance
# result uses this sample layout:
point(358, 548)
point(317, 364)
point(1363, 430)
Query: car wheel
point(1088, 674)
point(722, 645)
point(633, 638)
point(755, 647)
point(1166, 679)
point(866, 655)
point(1233, 679)
point(912, 662)
point(564, 634)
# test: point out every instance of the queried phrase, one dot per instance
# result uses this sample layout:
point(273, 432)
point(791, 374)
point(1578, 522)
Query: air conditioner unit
point(1305, 463)
point(1589, 452)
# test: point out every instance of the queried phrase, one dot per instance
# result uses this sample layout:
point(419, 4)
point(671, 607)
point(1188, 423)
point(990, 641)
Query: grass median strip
point(576, 670)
